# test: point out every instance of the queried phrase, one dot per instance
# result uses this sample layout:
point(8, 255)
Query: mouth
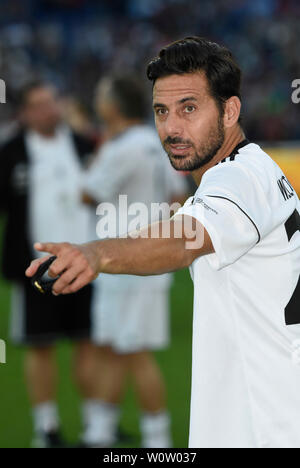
point(179, 149)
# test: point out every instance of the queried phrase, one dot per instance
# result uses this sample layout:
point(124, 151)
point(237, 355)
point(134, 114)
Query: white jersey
point(56, 211)
point(246, 332)
point(134, 166)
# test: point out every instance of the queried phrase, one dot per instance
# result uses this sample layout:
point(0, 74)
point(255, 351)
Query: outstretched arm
point(159, 248)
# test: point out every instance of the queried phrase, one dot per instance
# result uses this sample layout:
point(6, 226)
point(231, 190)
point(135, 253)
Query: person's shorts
point(38, 319)
point(130, 320)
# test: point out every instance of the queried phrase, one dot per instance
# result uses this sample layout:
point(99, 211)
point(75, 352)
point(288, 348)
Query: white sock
point(100, 422)
point(156, 431)
point(45, 417)
point(88, 410)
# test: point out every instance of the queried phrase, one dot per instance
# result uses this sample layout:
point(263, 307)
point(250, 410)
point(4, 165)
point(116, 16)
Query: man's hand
point(148, 252)
point(76, 265)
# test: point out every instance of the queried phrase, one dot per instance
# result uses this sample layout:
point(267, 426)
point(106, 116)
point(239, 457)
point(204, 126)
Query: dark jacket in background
point(17, 251)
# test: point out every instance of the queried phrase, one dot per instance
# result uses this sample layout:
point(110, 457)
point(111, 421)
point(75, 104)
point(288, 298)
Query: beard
point(202, 155)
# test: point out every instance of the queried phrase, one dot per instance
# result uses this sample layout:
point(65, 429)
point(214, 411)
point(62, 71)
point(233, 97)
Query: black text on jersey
point(285, 187)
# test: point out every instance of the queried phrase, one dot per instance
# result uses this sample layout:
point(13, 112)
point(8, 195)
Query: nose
point(173, 125)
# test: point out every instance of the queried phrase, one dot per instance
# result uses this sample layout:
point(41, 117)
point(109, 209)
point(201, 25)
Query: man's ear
point(232, 111)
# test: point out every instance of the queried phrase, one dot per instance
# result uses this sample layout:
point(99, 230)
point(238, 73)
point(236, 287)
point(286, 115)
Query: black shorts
point(39, 319)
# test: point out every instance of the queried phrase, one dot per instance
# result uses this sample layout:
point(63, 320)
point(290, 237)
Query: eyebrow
point(191, 98)
point(182, 101)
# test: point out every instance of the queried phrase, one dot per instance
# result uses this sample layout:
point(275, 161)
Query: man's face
point(188, 121)
point(42, 110)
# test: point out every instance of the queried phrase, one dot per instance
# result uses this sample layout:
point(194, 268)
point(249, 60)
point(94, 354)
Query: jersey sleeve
point(105, 176)
point(232, 205)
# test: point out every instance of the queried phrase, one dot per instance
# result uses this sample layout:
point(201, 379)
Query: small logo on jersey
point(285, 188)
point(296, 93)
point(20, 178)
point(2, 352)
point(202, 202)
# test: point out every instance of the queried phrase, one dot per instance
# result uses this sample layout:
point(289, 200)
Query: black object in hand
point(43, 285)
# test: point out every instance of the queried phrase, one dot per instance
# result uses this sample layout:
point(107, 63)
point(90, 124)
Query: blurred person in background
point(79, 119)
point(130, 314)
point(39, 188)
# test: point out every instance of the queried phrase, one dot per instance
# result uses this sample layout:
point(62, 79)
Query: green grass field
point(16, 428)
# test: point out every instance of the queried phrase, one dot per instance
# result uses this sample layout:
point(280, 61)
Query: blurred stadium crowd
point(73, 42)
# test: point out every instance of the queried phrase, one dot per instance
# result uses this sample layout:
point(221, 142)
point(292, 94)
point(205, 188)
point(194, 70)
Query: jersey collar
point(235, 151)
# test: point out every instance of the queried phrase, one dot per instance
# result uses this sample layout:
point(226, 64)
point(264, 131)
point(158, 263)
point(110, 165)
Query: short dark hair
point(129, 93)
point(27, 88)
point(195, 53)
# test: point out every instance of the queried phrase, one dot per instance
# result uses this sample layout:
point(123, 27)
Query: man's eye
point(161, 111)
point(189, 109)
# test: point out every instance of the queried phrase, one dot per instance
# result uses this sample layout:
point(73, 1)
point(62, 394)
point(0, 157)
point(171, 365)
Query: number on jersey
point(292, 310)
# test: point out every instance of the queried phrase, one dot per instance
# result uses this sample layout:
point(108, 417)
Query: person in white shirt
point(40, 194)
point(244, 225)
point(129, 313)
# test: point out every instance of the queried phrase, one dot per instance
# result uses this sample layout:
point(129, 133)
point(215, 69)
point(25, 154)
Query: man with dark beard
point(208, 149)
point(246, 347)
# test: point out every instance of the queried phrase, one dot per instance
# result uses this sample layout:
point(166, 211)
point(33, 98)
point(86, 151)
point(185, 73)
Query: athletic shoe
point(51, 439)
